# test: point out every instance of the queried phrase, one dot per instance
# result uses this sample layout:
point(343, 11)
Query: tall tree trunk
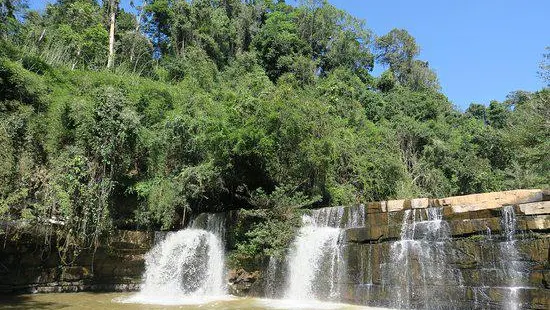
point(113, 6)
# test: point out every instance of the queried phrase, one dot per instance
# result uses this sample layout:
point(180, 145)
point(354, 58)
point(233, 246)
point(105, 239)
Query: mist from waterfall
point(343, 217)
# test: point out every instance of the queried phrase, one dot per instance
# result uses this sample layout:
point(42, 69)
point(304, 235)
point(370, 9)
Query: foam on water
point(306, 304)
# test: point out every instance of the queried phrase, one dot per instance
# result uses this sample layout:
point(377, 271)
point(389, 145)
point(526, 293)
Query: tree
point(113, 8)
point(477, 111)
point(544, 66)
point(386, 81)
point(336, 38)
point(398, 50)
point(422, 77)
point(497, 114)
point(8, 11)
point(278, 43)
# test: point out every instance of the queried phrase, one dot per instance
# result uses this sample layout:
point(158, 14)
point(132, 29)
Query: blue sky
point(480, 49)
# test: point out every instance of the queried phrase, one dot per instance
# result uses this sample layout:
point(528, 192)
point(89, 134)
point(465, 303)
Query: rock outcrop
point(26, 266)
point(476, 257)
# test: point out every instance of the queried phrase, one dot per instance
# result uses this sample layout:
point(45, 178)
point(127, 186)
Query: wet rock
point(75, 273)
point(364, 234)
point(241, 282)
point(534, 223)
point(468, 227)
point(117, 266)
point(375, 207)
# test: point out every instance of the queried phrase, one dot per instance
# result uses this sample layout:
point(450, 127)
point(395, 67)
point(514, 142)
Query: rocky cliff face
point(483, 251)
point(486, 251)
point(27, 267)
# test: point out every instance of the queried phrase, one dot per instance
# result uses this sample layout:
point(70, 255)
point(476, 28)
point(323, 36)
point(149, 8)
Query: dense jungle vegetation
point(214, 105)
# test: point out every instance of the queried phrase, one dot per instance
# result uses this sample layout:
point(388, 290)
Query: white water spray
point(510, 258)
point(313, 262)
point(418, 269)
point(187, 267)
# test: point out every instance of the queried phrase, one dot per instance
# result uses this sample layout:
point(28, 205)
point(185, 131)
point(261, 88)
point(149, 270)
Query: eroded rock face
point(472, 264)
point(479, 265)
point(32, 268)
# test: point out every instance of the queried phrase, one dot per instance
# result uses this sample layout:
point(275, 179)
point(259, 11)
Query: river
point(120, 301)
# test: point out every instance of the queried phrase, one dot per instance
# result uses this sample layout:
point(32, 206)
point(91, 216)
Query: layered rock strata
point(26, 266)
point(473, 256)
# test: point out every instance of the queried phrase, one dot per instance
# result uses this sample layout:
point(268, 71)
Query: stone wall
point(469, 257)
point(27, 267)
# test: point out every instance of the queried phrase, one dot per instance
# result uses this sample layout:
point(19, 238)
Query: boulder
point(241, 282)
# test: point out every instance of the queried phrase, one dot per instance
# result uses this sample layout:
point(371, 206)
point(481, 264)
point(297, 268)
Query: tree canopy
point(222, 105)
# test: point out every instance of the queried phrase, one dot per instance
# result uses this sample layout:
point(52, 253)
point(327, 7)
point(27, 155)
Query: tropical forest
point(142, 117)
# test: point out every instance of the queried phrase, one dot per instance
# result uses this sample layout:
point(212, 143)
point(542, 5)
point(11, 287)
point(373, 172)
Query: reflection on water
point(119, 301)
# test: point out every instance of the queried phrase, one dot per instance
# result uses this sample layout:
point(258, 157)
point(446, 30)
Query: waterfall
point(326, 217)
point(356, 216)
point(343, 217)
point(212, 222)
point(418, 270)
point(186, 267)
point(271, 278)
point(510, 258)
point(314, 259)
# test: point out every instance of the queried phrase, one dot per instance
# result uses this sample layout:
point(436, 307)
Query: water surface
point(124, 301)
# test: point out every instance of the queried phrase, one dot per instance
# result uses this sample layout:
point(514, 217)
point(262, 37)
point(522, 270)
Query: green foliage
point(268, 229)
point(226, 105)
point(278, 44)
point(386, 82)
point(16, 83)
point(398, 49)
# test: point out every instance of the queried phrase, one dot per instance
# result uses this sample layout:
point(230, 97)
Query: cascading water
point(509, 257)
point(343, 217)
point(211, 222)
point(186, 267)
point(418, 270)
point(314, 262)
point(271, 274)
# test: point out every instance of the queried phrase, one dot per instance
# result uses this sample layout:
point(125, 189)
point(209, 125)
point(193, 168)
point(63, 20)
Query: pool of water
point(126, 301)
